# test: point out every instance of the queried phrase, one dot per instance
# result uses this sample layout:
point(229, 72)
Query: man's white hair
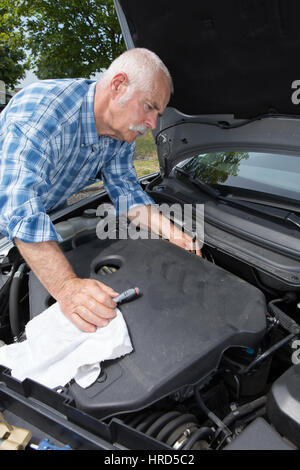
point(141, 67)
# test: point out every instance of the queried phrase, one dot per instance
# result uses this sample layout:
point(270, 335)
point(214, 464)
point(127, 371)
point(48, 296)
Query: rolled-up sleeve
point(121, 182)
point(23, 183)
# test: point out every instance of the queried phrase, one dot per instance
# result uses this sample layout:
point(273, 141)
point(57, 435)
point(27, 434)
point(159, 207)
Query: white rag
point(56, 351)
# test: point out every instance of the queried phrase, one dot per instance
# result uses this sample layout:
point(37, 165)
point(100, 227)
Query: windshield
point(271, 173)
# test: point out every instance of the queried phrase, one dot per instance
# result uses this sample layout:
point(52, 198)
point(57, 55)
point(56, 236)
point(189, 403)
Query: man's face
point(134, 116)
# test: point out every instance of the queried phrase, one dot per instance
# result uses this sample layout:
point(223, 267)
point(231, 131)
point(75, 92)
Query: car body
point(216, 339)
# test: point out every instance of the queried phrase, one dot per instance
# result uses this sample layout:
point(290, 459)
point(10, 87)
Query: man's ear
point(118, 85)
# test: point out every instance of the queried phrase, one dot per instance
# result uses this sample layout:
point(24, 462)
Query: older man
point(55, 137)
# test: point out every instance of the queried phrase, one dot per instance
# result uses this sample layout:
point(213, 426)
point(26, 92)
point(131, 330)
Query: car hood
point(233, 60)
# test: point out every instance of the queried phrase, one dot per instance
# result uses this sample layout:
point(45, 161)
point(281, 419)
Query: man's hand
point(148, 217)
point(87, 303)
point(183, 240)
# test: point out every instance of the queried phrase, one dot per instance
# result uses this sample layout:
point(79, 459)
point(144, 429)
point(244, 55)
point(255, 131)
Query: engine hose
point(166, 431)
point(14, 297)
point(268, 352)
point(214, 418)
point(4, 291)
point(256, 414)
point(136, 419)
point(148, 421)
point(286, 322)
point(180, 435)
point(159, 423)
point(197, 436)
point(244, 410)
point(172, 427)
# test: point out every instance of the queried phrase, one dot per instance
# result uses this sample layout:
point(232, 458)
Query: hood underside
point(236, 57)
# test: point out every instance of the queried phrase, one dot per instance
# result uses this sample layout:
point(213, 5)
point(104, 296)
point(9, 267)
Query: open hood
point(233, 63)
point(237, 57)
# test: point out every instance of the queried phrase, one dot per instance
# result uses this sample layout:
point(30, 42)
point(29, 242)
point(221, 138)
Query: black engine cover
point(189, 313)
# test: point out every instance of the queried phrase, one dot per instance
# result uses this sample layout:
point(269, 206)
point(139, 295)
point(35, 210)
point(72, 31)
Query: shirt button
point(82, 145)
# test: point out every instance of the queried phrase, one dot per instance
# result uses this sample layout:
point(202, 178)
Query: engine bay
point(179, 318)
point(212, 337)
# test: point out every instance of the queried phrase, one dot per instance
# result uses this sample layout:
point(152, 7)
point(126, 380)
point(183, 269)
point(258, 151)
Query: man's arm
point(88, 303)
point(122, 185)
point(150, 218)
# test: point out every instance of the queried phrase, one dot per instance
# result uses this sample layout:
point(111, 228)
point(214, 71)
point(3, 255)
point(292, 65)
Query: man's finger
point(99, 294)
point(197, 250)
point(83, 325)
point(108, 289)
point(94, 318)
point(98, 308)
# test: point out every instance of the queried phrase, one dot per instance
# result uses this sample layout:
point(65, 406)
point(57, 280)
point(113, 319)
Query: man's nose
point(151, 121)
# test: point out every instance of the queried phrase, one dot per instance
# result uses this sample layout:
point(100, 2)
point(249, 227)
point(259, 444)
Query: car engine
point(209, 347)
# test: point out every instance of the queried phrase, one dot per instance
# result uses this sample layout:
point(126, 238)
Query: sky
point(29, 78)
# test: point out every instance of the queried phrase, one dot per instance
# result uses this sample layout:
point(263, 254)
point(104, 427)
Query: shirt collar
point(89, 131)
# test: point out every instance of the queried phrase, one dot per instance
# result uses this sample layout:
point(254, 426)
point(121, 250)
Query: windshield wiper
point(206, 188)
point(293, 219)
point(274, 212)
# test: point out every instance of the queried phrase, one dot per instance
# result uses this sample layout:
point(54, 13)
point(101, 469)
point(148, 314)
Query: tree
point(214, 168)
point(71, 38)
point(12, 55)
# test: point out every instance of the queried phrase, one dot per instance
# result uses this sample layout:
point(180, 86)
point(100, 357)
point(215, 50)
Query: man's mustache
point(141, 129)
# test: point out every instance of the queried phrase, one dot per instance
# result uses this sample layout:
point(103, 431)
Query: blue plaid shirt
point(49, 149)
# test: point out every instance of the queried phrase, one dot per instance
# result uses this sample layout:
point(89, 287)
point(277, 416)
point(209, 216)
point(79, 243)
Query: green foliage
point(71, 38)
point(214, 168)
point(145, 146)
point(12, 55)
point(146, 167)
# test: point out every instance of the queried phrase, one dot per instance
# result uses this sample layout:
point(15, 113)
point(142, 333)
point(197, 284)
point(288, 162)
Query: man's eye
point(148, 107)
